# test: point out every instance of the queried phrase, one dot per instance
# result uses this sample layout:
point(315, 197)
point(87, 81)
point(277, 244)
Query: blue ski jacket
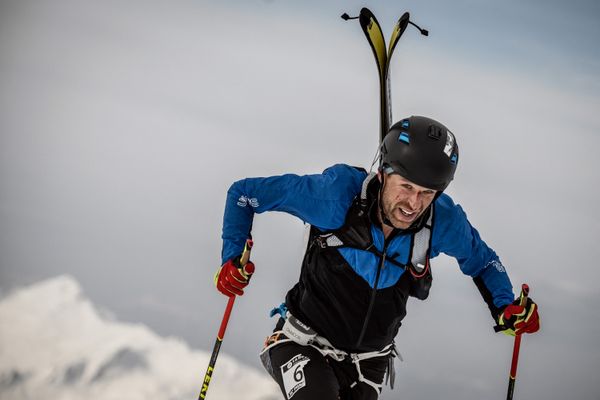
point(323, 201)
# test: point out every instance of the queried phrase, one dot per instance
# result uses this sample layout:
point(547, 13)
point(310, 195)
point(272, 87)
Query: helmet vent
point(435, 132)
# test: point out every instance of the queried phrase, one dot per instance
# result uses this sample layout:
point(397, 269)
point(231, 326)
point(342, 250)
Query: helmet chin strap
point(384, 217)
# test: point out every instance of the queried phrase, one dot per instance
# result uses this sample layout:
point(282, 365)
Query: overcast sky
point(122, 124)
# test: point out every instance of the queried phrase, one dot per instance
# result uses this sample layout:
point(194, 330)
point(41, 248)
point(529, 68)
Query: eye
point(407, 186)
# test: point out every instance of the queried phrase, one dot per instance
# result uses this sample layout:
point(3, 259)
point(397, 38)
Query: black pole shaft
point(210, 369)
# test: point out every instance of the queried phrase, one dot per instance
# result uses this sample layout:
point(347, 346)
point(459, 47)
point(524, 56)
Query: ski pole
point(215, 353)
point(517, 345)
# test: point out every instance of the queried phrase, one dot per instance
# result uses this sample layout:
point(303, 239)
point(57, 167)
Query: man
point(371, 239)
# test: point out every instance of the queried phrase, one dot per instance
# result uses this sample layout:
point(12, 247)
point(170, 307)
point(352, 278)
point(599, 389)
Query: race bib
point(293, 375)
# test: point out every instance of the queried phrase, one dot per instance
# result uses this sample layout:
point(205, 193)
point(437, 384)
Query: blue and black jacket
point(347, 294)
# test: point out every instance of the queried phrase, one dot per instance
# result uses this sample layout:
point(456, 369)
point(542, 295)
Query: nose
point(413, 199)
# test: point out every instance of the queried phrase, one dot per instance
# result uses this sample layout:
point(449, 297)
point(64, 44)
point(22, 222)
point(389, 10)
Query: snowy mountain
point(55, 345)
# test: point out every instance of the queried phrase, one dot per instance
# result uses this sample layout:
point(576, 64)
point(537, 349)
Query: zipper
point(374, 291)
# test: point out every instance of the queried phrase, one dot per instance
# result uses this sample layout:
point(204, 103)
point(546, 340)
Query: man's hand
point(516, 319)
point(231, 278)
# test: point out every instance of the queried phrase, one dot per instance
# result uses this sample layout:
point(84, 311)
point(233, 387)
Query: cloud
point(56, 345)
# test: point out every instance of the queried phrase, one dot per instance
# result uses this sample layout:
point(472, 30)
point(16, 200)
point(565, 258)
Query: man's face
point(404, 201)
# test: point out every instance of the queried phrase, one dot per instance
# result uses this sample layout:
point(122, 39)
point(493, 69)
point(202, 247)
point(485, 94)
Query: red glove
point(231, 278)
point(516, 319)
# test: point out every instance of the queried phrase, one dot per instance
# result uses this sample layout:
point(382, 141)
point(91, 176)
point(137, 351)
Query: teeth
point(406, 212)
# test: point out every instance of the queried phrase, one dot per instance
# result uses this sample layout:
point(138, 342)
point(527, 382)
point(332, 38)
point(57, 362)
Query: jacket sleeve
point(456, 237)
point(321, 200)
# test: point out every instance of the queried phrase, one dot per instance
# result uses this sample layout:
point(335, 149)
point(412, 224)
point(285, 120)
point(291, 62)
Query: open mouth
point(407, 213)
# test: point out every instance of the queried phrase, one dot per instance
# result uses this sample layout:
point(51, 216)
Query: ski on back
point(383, 55)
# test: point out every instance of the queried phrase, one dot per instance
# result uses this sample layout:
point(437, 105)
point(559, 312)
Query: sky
point(123, 124)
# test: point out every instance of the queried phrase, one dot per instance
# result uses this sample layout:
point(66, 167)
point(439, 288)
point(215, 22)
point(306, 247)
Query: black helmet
point(421, 150)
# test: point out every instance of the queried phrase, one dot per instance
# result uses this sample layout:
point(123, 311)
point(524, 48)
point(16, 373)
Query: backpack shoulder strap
point(421, 243)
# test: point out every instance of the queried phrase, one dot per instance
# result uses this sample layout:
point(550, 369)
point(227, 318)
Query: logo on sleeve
point(243, 201)
point(496, 264)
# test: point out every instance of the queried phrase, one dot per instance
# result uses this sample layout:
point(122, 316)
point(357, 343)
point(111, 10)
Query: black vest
point(338, 303)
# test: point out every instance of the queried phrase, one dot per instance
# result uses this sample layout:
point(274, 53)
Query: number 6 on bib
point(292, 373)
